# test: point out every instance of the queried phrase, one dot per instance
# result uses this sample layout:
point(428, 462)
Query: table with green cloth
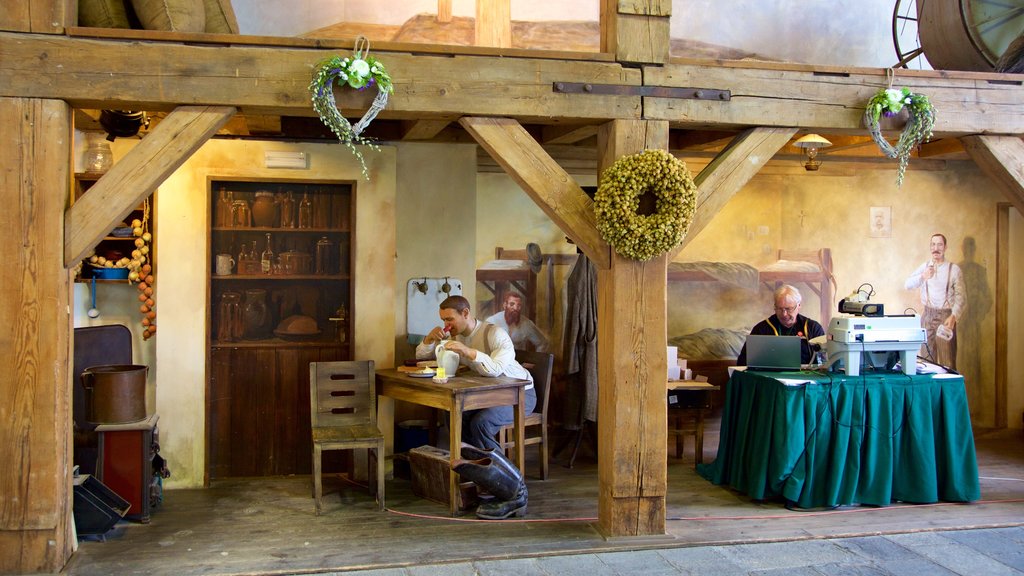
point(826, 439)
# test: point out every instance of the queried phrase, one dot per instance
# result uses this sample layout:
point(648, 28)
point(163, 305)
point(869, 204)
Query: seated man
point(787, 321)
point(524, 333)
point(488, 351)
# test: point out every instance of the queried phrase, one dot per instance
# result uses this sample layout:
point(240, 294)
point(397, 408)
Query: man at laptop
point(787, 321)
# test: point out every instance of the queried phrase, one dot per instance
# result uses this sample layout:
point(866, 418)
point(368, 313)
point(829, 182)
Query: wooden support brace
point(137, 175)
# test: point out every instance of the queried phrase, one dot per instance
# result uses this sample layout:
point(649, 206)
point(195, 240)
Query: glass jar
point(98, 157)
point(241, 215)
point(326, 262)
point(232, 326)
point(255, 314)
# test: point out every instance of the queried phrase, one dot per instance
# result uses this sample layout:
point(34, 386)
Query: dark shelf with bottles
point(280, 268)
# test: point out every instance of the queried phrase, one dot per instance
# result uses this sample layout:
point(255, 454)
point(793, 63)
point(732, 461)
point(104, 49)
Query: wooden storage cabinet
point(265, 328)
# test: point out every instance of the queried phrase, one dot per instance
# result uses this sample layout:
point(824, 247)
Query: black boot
point(502, 509)
point(470, 452)
point(490, 475)
point(506, 503)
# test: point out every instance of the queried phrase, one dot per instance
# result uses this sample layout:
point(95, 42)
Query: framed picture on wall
point(880, 221)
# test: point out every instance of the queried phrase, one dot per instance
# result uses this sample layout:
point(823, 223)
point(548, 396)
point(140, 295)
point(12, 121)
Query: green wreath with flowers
point(359, 71)
point(644, 236)
point(889, 102)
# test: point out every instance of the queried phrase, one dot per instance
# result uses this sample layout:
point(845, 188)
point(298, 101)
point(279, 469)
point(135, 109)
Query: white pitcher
point(446, 359)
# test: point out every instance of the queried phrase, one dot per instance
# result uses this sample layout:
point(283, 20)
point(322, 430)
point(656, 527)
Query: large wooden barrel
point(967, 34)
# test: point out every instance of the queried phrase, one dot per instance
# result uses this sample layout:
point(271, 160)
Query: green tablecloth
point(838, 440)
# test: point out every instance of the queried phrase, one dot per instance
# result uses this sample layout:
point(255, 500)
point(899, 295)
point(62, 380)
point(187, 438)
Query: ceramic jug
point(447, 359)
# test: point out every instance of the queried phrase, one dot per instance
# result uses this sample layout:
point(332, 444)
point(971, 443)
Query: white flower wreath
point(642, 237)
point(360, 72)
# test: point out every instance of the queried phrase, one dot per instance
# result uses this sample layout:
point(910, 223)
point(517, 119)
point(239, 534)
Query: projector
point(857, 304)
point(861, 308)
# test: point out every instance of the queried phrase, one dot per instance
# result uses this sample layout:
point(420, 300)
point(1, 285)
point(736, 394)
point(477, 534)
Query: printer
point(853, 339)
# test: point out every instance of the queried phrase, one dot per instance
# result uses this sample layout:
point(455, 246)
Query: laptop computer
point(778, 353)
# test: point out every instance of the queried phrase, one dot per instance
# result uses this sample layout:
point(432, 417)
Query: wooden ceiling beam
point(562, 134)
point(160, 75)
point(423, 129)
point(100, 73)
point(762, 95)
point(730, 171)
point(1002, 158)
point(943, 147)
point(550, 186)
point(137, 175)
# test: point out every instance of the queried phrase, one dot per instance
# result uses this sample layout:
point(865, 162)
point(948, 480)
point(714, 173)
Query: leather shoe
point(502, 509)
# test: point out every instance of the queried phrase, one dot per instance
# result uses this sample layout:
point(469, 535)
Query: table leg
point(520, 423)
point(698, 444)
point(455, 453)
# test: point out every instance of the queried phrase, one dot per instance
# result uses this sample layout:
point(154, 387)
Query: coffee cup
point(225, 263)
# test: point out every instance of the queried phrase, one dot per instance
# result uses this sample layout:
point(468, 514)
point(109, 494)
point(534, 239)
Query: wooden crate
point(429, 468)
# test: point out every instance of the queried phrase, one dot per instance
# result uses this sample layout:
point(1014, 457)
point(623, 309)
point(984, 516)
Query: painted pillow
point(102, 14)
point(174, 15)
point(220, 17)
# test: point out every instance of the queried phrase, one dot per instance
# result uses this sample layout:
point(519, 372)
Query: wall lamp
point(811, 143)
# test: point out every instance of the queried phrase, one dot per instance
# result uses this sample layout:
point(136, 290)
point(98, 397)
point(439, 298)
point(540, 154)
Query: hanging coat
point(580, 340)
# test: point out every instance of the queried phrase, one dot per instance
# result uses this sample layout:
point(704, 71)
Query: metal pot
point(122, 123)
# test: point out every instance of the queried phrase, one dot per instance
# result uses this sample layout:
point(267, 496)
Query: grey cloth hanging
point(580, 352)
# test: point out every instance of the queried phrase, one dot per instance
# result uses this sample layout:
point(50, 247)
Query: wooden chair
point(343, 414)
point(540, 365)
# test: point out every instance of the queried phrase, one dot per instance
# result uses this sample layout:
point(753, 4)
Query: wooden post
point(35, 418)
point(494, 23)
point(636, 31)
point(444, 11)
point(633, 366)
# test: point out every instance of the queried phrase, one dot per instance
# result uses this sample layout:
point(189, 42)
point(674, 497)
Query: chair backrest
point(342, 393)
point(540, 365)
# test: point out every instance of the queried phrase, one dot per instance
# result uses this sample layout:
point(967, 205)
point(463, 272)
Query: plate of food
point(422, 373)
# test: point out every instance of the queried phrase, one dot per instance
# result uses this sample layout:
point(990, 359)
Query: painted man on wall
point(944, 299)
point(525, 334)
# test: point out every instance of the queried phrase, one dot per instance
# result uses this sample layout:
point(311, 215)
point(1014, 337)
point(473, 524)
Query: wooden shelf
point(279, 343)
point(281, 277)
point(273, 230)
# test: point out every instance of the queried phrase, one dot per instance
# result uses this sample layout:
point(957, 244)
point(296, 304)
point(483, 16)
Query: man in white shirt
point(524, 333)
point(488, 351)
point(944, 299)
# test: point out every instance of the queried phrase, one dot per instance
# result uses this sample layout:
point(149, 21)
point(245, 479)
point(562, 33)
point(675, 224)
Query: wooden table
point(460, 393)
point(827, 439)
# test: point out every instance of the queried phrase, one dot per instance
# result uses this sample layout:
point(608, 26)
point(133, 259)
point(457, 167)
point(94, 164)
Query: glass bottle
point(267, 258)
point(224, 208)
point(243, 260)
point(342, 324)
point(305, 212)
point(287, 211)
point(252, 264)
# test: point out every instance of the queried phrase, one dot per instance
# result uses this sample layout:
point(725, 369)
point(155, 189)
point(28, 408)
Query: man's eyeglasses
point(787, 310)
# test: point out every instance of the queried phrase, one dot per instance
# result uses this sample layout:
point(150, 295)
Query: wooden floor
point(267, 526)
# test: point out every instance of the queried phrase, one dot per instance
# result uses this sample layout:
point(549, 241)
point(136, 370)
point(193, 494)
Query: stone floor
point(976, 552)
